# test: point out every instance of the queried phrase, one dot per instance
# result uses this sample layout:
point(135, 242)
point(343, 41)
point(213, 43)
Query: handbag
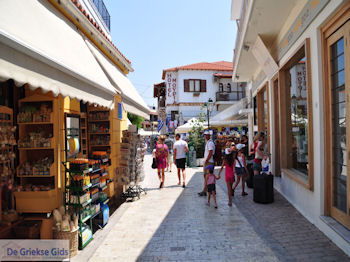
point(154, 163)
point(245, 170)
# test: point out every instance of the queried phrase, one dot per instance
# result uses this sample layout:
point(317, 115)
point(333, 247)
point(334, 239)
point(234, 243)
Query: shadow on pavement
point(192, 231)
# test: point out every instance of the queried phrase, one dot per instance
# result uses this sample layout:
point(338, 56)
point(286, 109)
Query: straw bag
point(72, 237)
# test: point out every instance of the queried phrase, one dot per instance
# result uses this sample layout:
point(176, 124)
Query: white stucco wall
point(175, 82)
point(311, 203)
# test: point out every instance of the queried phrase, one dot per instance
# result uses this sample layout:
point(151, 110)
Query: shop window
point(296, 115)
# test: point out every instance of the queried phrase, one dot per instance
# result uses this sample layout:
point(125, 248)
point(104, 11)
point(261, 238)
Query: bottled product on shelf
point(84, 194)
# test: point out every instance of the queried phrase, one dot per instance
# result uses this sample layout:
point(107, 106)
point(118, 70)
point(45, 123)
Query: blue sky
point(158, 34)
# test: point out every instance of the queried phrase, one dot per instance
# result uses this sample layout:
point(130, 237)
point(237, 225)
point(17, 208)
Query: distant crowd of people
point(233, 157)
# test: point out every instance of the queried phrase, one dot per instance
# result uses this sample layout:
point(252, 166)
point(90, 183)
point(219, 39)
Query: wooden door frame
point(276, 117)
point(329, 30)
point(285, 123)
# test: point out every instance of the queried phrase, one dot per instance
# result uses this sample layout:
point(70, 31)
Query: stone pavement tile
point(289, 235)
point(174, 224)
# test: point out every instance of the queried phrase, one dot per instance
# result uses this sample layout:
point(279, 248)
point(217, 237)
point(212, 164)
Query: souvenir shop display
point(83, 135)
point(66, 227)
point(37, 188)
point(84, 193)
point(131, 172)
point(7, 157)
point(98, 129)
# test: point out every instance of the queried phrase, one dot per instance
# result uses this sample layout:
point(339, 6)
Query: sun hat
point(207, 132)
point(240, 146)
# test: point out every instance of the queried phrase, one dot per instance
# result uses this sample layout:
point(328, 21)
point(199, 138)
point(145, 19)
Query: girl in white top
point(241, 170)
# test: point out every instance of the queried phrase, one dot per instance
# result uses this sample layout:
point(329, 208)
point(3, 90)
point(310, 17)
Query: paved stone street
point(174, 224)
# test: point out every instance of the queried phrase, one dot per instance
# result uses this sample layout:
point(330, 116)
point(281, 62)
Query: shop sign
point(34, 250)
point(311, 9)
point(120, 111)
point(171, 87)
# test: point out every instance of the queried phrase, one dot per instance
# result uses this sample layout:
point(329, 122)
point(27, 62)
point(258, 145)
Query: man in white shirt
point(208, 159)
point(180, 150)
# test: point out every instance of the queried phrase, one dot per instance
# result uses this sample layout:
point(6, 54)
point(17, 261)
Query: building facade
point(297, 79)
point(188, 88)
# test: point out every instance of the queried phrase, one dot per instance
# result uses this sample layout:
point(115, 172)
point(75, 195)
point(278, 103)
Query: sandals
point(244, 193)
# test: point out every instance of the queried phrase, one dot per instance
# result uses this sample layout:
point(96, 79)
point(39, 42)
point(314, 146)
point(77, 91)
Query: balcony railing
point(102, 9)
point(226, 96)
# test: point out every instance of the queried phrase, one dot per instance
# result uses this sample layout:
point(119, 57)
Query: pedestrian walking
point(228, 163)
point(208, 159)
point(180, 150)
point(161, 158)
point(241, 170)
point(170, 143)
point(257, 149)
point(211, 181)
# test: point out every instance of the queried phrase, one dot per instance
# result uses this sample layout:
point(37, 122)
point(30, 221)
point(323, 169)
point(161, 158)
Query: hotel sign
point(311, 9)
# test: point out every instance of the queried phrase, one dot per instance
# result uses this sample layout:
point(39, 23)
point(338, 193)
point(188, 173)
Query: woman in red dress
point(162, 152)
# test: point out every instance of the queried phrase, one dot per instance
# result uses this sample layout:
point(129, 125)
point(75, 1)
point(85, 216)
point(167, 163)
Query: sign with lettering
point(311, 9)
point(171, 88)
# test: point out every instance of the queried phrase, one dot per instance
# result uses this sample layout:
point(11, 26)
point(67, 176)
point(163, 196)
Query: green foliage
point(196, 138)
point(135, 120)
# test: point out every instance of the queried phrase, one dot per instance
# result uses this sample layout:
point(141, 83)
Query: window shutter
point(187, 85)
point(203, 85)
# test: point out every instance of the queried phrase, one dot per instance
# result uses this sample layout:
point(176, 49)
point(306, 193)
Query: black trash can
point(263, 189)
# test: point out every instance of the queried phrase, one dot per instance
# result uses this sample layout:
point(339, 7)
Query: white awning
point(231, 111)
point(40, 47)
point(132, 100)
point(228, 123)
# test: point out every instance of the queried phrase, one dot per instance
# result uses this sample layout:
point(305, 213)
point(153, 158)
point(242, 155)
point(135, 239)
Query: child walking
point(228, 163)
point(240, 168)
point(211, 179)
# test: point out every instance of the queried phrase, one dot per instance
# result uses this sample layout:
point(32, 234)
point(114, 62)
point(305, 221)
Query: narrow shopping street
point(174, 224)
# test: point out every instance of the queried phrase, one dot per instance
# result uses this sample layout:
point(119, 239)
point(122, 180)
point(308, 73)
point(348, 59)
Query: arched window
point(228, 87)
point(221, 87)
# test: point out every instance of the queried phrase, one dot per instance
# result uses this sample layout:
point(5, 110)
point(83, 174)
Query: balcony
point(229, 96)
point(102, 9)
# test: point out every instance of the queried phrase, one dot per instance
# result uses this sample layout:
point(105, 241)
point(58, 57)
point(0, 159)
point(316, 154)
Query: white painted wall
point(311, 203)
point(175, 82)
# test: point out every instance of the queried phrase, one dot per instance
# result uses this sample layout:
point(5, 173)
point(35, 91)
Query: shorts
point(170, 158)
point(211, 188)
point(240, 171)
point(181, 163)
point(257, 166)
point(161, 163)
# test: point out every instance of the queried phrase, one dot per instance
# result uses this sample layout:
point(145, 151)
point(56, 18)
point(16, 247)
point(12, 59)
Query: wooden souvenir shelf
point(8, 150)
point(84, 135)
point(92, 119)
point(39, 201)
